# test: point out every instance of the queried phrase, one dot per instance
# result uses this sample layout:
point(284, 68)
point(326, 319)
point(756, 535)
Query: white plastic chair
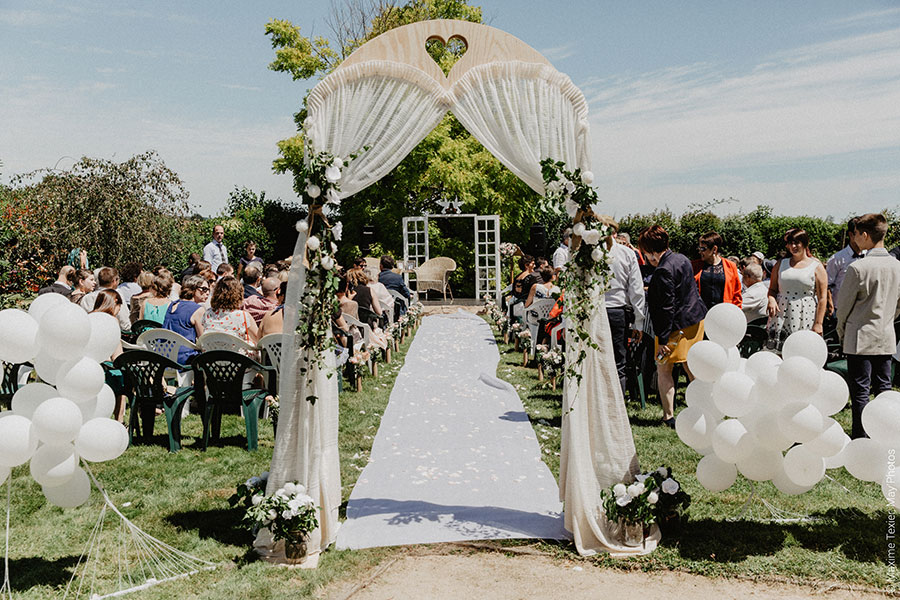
point(398, 296)
point(271, 345)
point(539, 309)
point(167, 343)
point(555, 331)
point(219, 340)
point(366, 333)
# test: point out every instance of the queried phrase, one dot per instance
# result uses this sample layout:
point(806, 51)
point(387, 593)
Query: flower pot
point(295, 549)
point(631, 534)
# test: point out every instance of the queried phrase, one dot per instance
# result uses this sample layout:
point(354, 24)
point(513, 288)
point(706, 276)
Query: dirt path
point(465, 575)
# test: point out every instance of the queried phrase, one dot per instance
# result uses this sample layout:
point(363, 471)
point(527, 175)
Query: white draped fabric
point(522, 113)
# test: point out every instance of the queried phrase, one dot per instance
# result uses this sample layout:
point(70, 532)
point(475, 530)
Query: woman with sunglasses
point(797, 291)
point(718, 281)
point(185, 315)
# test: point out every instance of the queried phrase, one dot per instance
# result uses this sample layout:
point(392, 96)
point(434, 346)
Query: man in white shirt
point(836, 268)
point(107, 279)
point(215, 252)
point(756, 296)
point(561, 255)
point(626, 290)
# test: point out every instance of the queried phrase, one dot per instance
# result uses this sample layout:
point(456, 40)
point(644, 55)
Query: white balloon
point(731, 441)
point(831, 441)
point(761, 465)
point(698, 391)
point(105, 336)
point(57, 421)
point(764, 425)
point(53, 464)
point(694, 427)
point(18, 440)
point(707, 360)
point(763, 366)
point(29, 397)
point(881, 417)
point(74, 492)
point(44, 303)
point(715, 474)
point(784, 484)
point(798, 377)
point(80, 380)
point(766, 396)
point(18, 335)
point(800, 422)
point(808, 344)
point(725, 324)
point(46, 366)
point(837, 461)
point(832, 394)
point(100, 440)
point(734, 358)
point(64, 332)
point(866, 459)
point(803, 467)
point(106, 404)
point(731, 393)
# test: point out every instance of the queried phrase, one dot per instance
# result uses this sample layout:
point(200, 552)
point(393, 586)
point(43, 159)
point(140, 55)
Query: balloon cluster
point(56, 423)
point(767, 417)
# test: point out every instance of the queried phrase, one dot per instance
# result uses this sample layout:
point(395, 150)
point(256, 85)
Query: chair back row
point(167, 343)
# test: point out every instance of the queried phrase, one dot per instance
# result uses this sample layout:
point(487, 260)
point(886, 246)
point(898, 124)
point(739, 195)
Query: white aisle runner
point(455, 457)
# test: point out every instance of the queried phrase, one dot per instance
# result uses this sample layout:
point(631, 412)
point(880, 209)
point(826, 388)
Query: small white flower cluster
point(625, 494)
point(288, 503)
point(508, 249)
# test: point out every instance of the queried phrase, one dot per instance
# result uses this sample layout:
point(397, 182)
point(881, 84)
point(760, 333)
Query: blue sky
point(792, 104)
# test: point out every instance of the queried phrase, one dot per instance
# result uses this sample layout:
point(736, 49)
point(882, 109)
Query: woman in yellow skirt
point(676, 311)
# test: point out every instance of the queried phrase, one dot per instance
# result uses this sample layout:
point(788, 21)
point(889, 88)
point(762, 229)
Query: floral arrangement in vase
point(551, 363)
point(290, 514)
point(672, 501)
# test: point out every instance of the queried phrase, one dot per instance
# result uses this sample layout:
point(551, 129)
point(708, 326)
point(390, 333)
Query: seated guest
point(129, 286)
point(346, 298)
point(380, 293)
point(145, 280)
point(110, 302)
point(224, 270)
point(250, 279)
point(84, 284)
point(107, 279)
point(175, 292)
point(359, 283)
point(193, 259)
point(393, 281)
point(756, 296)
point(545, 289)
point(64, 283)
point(155, 306)
point(273, 321)
point(522, 285)
point(201, 266)
point(225, 313)
point(258, 305)
point(185, 315)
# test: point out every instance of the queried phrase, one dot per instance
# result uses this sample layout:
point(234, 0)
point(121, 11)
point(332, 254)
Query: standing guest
point(250, 279)
point(107, 279)
point(273, 322)
point(676, 311)
point(561, 255)
point(155, 306)
point(798, 291)
point(185, 315)
point(64, 283)
point(836, 267)
point(625, 306)
point(129, 286)
point(263, 303)
point(250, 257)
point(756, 296)
point(868, 302)
point(110, 302)
point(718, 280)
point(193, 259)
point(215, 252)
point(225, 313)
point(393, 281)
point(85, 283)
point(624, 238)
point(145, 280)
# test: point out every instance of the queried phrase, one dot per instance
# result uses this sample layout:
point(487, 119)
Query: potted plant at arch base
point(654, 497)
point(290, 514)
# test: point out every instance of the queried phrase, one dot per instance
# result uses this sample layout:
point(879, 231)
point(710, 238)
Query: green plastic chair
point(144, 383)
point(10, 384)
point(223, 372)
point(754, 340)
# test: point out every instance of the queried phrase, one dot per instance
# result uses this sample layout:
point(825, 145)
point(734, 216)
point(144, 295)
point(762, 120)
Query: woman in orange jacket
point(718, 280)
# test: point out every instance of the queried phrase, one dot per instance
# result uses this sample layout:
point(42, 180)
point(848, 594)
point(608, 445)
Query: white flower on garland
point(554, 187)
point(571, 207)
point(670, 486)
point(570, 187)
point(332, 196)
point(652, 497)
point(635, 489)
point(623, 500)
point(338, 162)
point(338, 231)
point(327, 263)
point(587, 178)
point(619, 490)
point(578, 229)
point(302, 226)
point(592, 237)
point(313, 191)
point(597, 254)
point(333, 174)
point(312, 243)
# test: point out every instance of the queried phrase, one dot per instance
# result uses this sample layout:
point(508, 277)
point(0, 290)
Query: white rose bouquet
point(289, 513)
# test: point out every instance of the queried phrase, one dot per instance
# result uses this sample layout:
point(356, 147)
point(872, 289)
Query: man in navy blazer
point(393, 281)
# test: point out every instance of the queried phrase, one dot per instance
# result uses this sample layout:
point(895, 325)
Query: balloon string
point(6, 585)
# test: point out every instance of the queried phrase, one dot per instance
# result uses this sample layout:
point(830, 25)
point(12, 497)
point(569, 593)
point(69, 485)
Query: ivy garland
point(587, 273)
point(319, 178)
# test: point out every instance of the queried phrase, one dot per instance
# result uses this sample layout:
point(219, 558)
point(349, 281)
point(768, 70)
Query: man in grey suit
point(867, 305)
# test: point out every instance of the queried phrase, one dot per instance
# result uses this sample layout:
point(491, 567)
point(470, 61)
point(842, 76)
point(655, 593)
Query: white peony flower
point(313, 191)
point(332, 174)
point(312, 243)
point(623, 500)
point(663, 471)
point(337, 163)
point(333, 247)
point(619, 489)
point(301, 226)
point(652, 497)
point(286, 514)
point(290, 488)
point(570, 187)
point(670, 486)
point(571, 207)
point(640, 478)
point(327, 263)
point(591, 236)
point(635, 489)
point(578, 229)
point(294, 503)
point(257, 499)
point(587, 178)
point(554, 187)
point(301, 490)
point(337, 231)
point(597, 254)
point(271, 514)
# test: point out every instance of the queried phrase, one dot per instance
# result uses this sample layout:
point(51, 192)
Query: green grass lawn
point(182, 499)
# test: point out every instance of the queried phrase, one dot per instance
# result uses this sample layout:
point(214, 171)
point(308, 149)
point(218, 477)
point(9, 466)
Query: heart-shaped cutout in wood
point(445, 54)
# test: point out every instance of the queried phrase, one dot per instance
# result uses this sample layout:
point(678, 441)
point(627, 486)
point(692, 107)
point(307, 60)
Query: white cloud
point(559, 52)
point(27, 18)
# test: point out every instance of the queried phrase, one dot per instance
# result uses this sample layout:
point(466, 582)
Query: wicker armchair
point(434, 274)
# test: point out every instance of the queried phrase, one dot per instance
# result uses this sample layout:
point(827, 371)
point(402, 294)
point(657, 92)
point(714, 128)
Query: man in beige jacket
point(867, 304)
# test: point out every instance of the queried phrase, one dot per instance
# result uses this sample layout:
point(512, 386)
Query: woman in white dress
point(797, 291)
